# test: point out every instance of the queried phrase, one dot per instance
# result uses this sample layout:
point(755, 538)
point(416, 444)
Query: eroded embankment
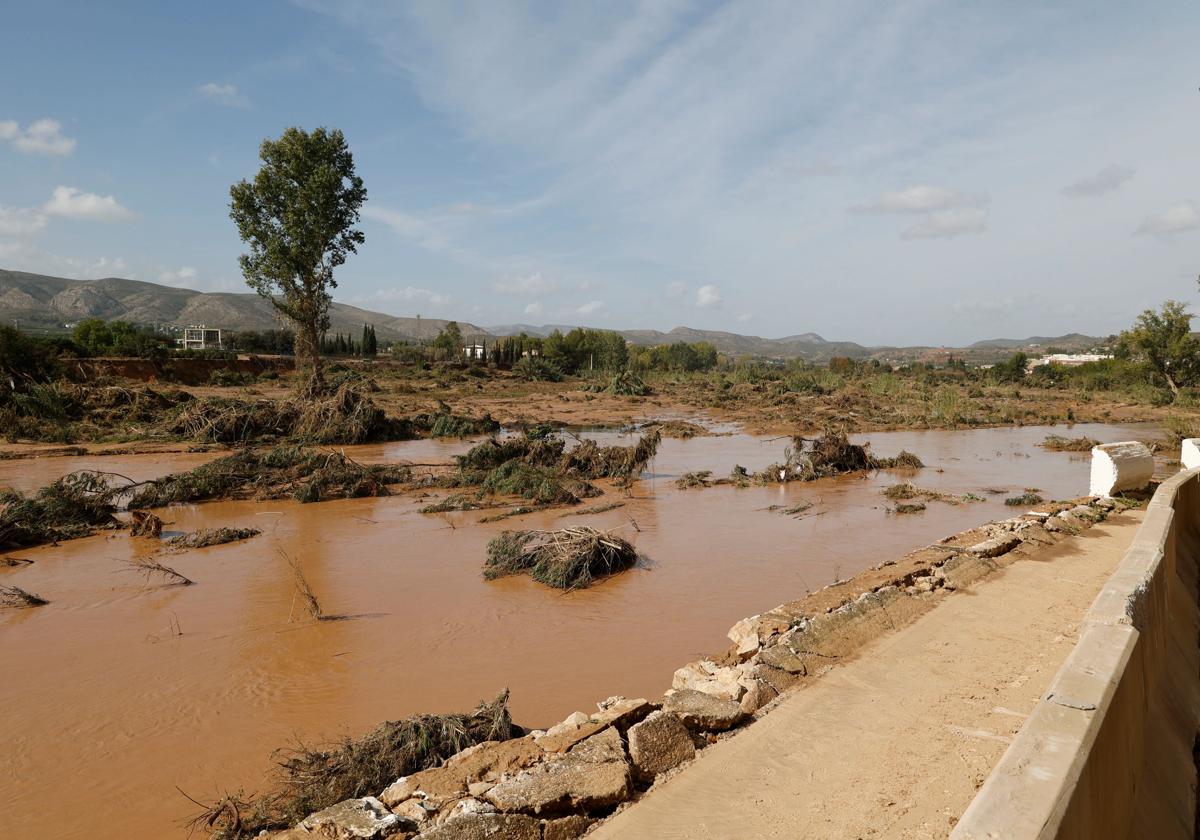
point(557, 783)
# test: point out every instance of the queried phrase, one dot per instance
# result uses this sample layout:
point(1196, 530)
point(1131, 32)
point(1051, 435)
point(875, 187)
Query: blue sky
point(912, 172)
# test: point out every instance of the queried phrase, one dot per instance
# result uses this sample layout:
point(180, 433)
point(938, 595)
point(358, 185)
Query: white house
point(200, 338)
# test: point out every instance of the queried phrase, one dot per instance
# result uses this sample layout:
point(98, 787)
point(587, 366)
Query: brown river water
point(107, 710)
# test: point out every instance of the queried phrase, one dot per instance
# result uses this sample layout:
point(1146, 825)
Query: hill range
point(41, 302)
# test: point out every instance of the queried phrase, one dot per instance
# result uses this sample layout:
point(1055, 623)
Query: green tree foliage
point(1164, 340)
point(582, 349)
point(274, 342)
point(298, 217)
point(1012, 370)
point(370, 346)
point(680, 356)
point(450, 341)
point(96, 337)
point(24, 359)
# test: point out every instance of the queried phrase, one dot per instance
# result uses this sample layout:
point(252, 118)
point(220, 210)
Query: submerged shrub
point(568, 559)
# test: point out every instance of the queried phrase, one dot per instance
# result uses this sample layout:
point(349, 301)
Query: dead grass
point(150, 567)
point(571, 558)
point(76, 505)
point(808, 459)
point(281, 472)
point(205, 537)
point(16, 598)
point(1058, 443)
point(309, 779)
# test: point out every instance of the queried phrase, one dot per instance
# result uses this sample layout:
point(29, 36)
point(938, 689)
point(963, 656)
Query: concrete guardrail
point(1110, 750)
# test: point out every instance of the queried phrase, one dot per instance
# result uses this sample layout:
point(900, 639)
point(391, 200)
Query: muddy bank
point(147, 709)
point(564, 779)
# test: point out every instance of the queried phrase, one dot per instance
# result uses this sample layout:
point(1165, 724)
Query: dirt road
point(895, 743)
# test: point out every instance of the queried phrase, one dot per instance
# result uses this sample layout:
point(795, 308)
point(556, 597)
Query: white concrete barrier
point(1120, 466)
point(1106, 753)
point(1190, 455)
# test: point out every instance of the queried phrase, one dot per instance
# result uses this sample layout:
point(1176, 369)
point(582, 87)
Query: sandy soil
point(896, 742)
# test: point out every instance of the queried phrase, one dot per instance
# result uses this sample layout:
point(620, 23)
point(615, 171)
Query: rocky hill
point(39, 301)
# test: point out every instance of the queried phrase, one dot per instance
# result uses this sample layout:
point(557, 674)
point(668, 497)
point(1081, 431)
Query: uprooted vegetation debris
point(149, 566)
point(76, 505)
point(571, 558)
point(1058, 443)
point(205, 537)
point(808, 459)
point(537, 466)
point(309, 779)
point(907, 491)
point(281, 472)
point(1029, 497)
point(690, 480)
point(15, 597)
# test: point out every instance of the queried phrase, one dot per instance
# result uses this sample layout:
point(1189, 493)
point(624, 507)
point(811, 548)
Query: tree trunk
point(1174, 387)
point(308, 358)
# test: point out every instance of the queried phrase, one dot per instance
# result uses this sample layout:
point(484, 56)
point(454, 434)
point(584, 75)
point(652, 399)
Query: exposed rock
point(749, 634)
point(593, 774)
point(483, 762)
point(622, 713)
point(703, 712)
point(782, 657)
point(995, 546)
point(777, 678)
point(486, 827)
point(1057, 525)
point(354, 819)
point(567, 828)
point(559, 738)
point(659, 743)
point(416, 810)
point(471, 805)
point(710, 678)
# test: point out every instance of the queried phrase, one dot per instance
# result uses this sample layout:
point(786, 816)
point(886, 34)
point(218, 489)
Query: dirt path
point(895, 743)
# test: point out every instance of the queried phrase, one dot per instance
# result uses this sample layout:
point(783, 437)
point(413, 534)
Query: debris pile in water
point(571, 558)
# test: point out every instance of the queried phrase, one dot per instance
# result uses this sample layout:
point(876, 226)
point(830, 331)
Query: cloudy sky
point(909, 172)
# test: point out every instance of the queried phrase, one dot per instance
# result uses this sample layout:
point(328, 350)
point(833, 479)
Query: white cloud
point(590, 308)
point(227, 95)
point(946, 224)
point(20, 221)
point(42, 137)
point(675, 290)
point(72, 203)
point(919, 199)
point(1105, 181)
point(708, 297)
point(530, 285)
point(406, 293)
point(182, 276)
point(535, 309)
point(1178, 219)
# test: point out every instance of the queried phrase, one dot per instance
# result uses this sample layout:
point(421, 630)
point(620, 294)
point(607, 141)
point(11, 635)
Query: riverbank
point(233, 679)
point(563, 779)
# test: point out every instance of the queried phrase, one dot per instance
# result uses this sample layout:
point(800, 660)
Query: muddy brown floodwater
point(120, 690)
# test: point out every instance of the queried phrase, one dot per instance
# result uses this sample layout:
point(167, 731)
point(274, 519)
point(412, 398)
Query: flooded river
point(121, 690)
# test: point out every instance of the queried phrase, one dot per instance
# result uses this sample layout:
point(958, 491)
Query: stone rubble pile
point(555, 784)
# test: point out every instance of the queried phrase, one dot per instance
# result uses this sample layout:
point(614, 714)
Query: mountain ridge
point(48, 302)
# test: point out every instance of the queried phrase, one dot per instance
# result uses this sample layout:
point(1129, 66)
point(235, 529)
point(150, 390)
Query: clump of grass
point(791, 510)
point(906, 490)
point(542, 485)
point(1027, 498)
point(828, 455)
point(15, 597)
point(681, 429)
point(457, 501)
point(691, 480)
point(75, 505)
point(624, 384)
point(205, 537)
point(909, 507)
point(310, 778)
point(519, 510)
point(537, 369)
point(1058, 443)
point(278, 473)
point(571, 558)
point(537, 467)
point(305, 592)
point(901, 491)
point(453, 425)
